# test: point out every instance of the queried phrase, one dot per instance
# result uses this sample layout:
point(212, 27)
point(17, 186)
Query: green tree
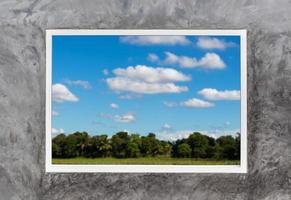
point(58, 144)
point(226, 147)
point(237, 147)
point(150, 146)
point(99, 146)
point(210, 151)
point(175, 145)
point(199, 145)
point(132, 150)
point(184, 150)
point(70, 148)
point(165, 148)
point(56, 150)
point(123, 145)
point(119, 143)
point(82, 140)
point(133, 146)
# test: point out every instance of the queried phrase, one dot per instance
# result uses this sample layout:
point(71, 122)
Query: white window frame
point(242, 168)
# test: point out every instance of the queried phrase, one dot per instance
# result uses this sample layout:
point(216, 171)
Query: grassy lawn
point(144, 161)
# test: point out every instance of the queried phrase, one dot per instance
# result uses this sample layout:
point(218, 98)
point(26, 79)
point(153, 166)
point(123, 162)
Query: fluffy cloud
point(153, 57)
point(55, 131)
point(170, 104)
point(180, 134)
point(183, 61)
point(166, 126)
point(151, 75)
point(84, 84)
point(61, 93)
point(191, 103)
point(114, 106)
point(197, 103)
point(126, 118)
point(213, 43)
point(136, 86)
point(55, 113)
point(155, 40)
point(213, 94)
point(209, 61)
point(173, 136)
point(147, 80)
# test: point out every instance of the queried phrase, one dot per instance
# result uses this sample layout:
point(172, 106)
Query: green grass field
point(144, 161)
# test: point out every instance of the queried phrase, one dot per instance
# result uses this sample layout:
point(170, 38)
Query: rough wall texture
point(22, 98)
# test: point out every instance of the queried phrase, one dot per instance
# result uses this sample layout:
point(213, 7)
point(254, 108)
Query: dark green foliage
point(184, 150)
point(165, 148)
point(82, 140)
point(123, 145)
point(119, 143)
point(132, 150)
point(228, 147)
point(237, 147)
point(150, 146)
point(199, 145)
point(175, 145)
point(58, 144)
point(65, 146)
point(98, 146)
point(210, 151)
point(133, 147)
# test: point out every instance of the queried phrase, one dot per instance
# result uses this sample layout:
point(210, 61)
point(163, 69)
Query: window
point(158, 101)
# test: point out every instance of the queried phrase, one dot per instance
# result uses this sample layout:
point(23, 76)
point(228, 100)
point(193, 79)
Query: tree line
point(124, 145)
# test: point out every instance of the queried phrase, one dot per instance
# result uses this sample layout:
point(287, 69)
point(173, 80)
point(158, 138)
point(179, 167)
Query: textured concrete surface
point(22, 98)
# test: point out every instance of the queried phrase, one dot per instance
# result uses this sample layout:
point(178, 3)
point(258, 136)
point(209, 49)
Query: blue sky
point(169, 85)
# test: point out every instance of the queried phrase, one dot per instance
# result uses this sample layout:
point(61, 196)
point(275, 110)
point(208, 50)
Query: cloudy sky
point(169, 85)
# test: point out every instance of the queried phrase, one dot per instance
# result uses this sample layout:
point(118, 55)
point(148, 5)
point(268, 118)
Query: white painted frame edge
point(242, 168)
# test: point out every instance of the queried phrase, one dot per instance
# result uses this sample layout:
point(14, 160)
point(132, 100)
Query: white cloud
point(153, 57)
point(147, 80)
point(173, 136)
point(61, 93)
point(151, 74)
point(126, 118)
point(56, 132)
point(155, 40)
point(213, 94)
point(197, 103)
point(129, 96)
point(213, 43)
point(209, 61)
point(180, 134)
point(135, 86)
point(84, 84)
point(170, 104)
point(55, 113)
point(183, 61)
point(105, 72)
point(167, 126)
point(191, 103)
point(114, 106)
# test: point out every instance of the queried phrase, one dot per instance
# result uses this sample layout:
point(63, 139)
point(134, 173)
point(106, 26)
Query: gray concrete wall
point(22, 98)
